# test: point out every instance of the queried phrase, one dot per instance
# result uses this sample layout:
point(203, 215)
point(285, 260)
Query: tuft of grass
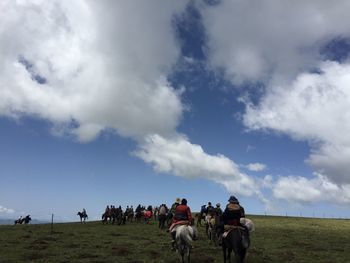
point(276, 239)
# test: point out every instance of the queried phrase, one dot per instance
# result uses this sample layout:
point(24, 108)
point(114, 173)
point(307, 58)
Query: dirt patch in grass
point(72, 246)
point(40, 242)
point(154, 254)
point(33, 256)
point(87, 255)
point(57, 232)
point(116, 235)
point(120, 251)
point(50, 238)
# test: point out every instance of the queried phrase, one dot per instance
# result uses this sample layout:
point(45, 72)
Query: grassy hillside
point(276, 239)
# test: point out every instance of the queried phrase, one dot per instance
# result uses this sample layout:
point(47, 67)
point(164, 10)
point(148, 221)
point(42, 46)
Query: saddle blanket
point(174, 225)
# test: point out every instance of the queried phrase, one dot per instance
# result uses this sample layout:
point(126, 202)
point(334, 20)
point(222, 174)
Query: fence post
point(51, 223)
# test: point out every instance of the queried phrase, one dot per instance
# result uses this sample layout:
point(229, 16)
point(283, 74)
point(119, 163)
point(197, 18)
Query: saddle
point(174, 225)
point(229, 228)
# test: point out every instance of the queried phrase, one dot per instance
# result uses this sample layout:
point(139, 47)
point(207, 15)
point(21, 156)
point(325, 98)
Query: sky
point(128, 102)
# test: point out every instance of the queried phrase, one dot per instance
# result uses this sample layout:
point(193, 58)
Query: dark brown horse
point(237, 240)
point(24, 220)
point(83, 216)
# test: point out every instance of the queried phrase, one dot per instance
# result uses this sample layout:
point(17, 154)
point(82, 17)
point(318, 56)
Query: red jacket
point(182, 213)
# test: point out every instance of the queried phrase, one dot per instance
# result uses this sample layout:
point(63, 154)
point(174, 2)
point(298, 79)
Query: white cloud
point(246, 42)
point(89, 66)
point(315, 107)
point(6, 210)
point(104, 65)
point(260, 41)
point(332, 160)
point(256, 167)
point(317, 189)
point(178, 156)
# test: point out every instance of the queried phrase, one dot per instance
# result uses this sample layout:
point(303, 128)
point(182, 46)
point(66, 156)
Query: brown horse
point(236, 240)
point(83, 216)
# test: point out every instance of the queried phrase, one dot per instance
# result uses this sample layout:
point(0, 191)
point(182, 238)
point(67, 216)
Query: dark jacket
point(211, 210)
point(232, 214)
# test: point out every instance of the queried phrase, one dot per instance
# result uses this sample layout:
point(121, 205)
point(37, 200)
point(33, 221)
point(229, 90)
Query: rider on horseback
point(182, 216)
point(210, 210)
point(232, 215)
point(174, 205)
point(218, 210)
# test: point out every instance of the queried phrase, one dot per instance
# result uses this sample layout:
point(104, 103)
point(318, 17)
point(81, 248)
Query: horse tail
point(184, 240)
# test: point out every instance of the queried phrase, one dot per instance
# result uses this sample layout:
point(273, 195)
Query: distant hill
point(6, 221)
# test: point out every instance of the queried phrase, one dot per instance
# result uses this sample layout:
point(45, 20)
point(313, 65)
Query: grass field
point(276, 239)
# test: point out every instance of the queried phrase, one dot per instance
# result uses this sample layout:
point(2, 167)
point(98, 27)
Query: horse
point(200, 216)
point(139, 213)
point(169, 218)
point(236, 240)
point(129, 215)
point(106, 217)
point(24, 220)
point(120, 216)
point(184, 236)
point(208, 218)
point(83, 216)
point(213, 233)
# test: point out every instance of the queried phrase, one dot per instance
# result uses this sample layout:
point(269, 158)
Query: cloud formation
point(249, 46)
point(6, 210)
point(88, 66)
point(179, 157)
point(318, 189)
point(247, 42)
point(256, 167)
point(313, 108)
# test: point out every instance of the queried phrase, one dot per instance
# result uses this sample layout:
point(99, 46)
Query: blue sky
point(125, 103)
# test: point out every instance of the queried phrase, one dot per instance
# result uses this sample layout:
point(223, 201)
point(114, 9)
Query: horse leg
point(229, 254)
point(241, 256)
point(188, 254)
point(224, 252)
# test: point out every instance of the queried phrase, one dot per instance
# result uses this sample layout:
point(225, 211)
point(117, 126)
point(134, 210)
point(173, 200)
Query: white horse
point(184, 236)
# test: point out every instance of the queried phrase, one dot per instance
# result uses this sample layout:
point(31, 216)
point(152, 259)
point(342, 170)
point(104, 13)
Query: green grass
point(276, 239)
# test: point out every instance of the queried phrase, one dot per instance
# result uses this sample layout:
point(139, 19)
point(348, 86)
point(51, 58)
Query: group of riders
point(114, 214)
point(23, 220)
point(217, 221)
